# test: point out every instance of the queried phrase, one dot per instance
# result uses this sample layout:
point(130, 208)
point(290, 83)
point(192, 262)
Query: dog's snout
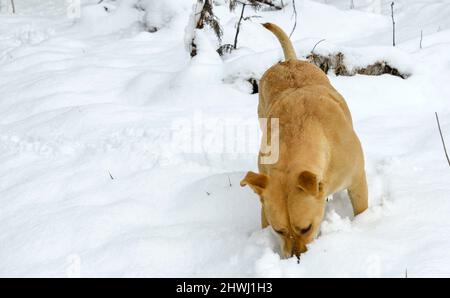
point(298, 249)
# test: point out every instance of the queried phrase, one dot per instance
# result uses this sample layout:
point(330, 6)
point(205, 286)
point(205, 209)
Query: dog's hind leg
point(358, 194)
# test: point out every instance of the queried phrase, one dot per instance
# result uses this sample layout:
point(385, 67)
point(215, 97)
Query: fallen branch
point(442, 138)
point(269, 3)
point(336, 62)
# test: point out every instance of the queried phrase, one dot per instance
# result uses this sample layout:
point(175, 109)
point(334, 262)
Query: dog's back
point(293, 75)
point(282, 77)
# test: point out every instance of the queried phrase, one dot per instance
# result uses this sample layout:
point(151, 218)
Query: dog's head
point(293, 205)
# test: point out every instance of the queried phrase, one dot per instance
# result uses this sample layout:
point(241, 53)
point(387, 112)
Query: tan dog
point(319, 152)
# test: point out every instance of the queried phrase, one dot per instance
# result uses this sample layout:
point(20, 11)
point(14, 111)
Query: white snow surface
point(120, 156)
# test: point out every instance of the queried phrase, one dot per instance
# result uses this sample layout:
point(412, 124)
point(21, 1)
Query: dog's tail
point(288, 49)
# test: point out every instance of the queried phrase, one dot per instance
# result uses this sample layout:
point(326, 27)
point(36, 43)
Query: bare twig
point(110, 176)
point(229, 181)
point(239, 26)
point(442, 139)
point(421, 38)
point(13, 6)
point(295, 14)
point(393, 23)
point(312, 51)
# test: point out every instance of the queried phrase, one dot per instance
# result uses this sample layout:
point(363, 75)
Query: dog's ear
point(258, 182)
point(309, 183)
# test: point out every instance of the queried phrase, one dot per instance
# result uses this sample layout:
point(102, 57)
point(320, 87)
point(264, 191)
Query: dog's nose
point(298, 250)
point(297, 255)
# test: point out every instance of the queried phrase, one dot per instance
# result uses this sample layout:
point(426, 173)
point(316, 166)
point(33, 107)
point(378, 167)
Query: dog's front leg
point(264, 222)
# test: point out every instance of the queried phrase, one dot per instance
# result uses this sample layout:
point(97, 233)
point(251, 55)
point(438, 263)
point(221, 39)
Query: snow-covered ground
point(121, 156)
